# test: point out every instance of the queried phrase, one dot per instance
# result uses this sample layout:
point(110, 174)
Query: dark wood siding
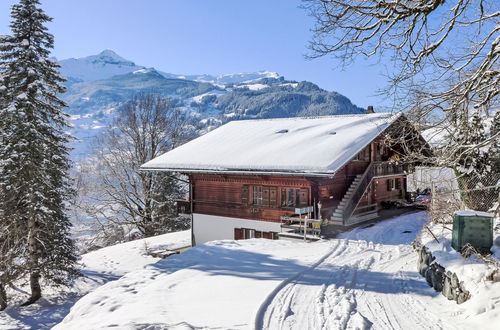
point(384, 192)
point(267, 198)
point(233, 195)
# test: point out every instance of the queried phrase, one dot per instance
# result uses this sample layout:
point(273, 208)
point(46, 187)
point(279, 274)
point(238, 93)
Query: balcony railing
point(386, 168)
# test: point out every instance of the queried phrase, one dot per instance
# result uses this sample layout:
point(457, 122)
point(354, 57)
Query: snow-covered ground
point(484, 305)
point(368, 280)
point(365, 279)
point(99, 267)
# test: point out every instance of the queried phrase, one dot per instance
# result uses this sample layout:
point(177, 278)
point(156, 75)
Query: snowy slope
point(99, 267)
point(199, 288)
point(365, 279)
point(123, 258)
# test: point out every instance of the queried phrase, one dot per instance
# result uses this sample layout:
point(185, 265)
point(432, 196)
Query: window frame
point(391, 184)
point(291, 197)
point(264, 196)
point(248, 233)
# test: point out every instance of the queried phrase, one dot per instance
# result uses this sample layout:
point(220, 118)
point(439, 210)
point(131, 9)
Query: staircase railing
point(375, 169)
point(358, 192)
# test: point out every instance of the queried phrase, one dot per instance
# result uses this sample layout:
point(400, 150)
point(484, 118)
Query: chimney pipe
point(370, 109)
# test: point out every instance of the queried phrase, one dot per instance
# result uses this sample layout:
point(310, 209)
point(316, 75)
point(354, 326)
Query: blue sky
point(205, 36)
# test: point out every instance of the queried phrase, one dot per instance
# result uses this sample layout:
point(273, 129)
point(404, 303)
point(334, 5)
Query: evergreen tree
point(477, 159)
point(34, 181)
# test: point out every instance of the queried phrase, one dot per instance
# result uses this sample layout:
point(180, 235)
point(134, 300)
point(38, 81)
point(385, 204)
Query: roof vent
point(282, 131)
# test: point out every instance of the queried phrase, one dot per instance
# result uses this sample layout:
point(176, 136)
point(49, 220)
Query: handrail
point(375, 169)
point(358, 193)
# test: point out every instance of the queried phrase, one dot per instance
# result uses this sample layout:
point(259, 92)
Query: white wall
point(209, 227)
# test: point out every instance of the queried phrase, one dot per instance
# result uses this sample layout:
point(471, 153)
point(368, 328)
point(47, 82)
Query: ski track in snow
point(357, 285)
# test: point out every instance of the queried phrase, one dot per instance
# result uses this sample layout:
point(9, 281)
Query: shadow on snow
point(217, 261)
point(46, 313)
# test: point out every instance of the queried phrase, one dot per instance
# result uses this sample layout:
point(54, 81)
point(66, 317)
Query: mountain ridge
point(99, 84)
point(108, 63)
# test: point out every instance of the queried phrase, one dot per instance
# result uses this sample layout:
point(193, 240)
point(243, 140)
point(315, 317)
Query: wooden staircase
point(343, 214)
point(339, 215)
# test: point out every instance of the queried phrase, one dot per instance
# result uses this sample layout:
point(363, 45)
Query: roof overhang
point(325, 170)
point(241, 172)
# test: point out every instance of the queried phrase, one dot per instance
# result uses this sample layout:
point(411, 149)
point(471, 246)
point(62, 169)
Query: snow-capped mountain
point(103, 65)
point(97, 86)
point(233, 78)
point(107, 64)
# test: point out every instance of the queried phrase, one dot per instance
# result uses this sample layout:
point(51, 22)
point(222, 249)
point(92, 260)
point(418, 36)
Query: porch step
point(336, 221)
point(337, 217)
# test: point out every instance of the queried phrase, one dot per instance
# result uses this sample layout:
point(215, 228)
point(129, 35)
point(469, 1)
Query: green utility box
point(473, 227)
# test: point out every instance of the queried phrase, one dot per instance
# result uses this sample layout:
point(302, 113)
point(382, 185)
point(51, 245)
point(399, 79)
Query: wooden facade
point(270, 197)
point(265, 198)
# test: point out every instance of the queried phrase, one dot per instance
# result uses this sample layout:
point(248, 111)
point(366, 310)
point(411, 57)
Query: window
point(257, 195)
point(391, 184)
point(394, 184)
point(264, 196)
point(398, 183)
point(248, 233)
point(291, 197)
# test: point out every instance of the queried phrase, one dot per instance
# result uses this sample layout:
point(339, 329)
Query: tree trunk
point(36, 289)
point(33, 257)
point(3, 297)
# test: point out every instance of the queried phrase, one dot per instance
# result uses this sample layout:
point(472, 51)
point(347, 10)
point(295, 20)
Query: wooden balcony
point(387, 169)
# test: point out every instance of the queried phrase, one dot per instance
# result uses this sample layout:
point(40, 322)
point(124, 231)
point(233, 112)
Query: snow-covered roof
point(291, 146)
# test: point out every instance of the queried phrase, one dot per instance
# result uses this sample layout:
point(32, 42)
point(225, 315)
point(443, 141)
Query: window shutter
point(244, 195)
point(238, 233)
point(388, 184)
point(290, 197)
point(283, 197)
point(265, 196)
point(273, 194)
point(303, 197)
point(259, 195)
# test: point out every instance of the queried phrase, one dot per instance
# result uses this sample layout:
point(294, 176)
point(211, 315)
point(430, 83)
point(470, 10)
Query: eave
point(242, 172)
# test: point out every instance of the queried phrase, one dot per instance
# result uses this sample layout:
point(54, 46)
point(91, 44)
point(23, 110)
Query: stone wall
point(441, 280)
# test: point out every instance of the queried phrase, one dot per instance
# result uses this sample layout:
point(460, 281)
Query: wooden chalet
point(262, 178)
